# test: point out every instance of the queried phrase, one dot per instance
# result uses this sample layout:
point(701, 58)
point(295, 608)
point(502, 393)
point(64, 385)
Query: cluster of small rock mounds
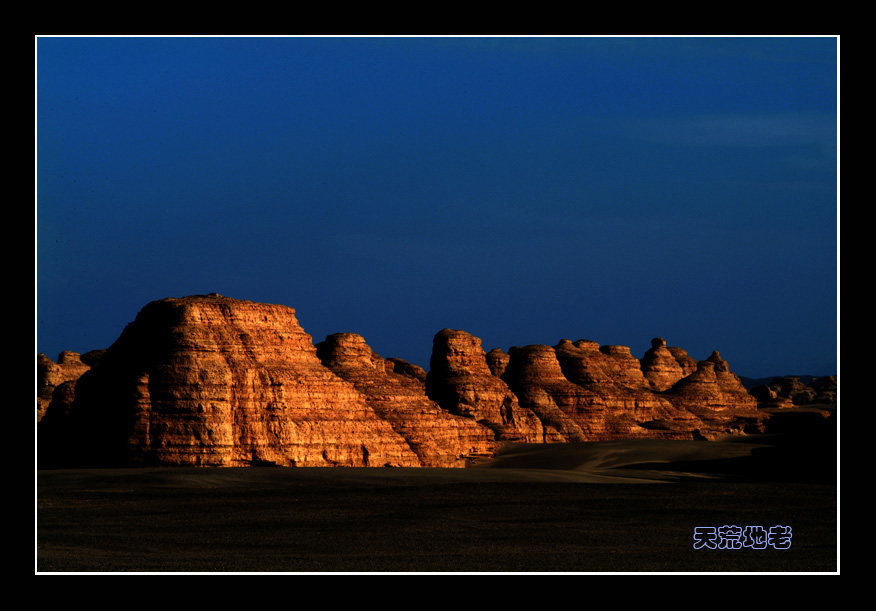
point(795, 391)
point(213, 381)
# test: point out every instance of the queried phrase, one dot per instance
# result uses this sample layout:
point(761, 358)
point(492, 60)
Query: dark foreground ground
point(597, 507)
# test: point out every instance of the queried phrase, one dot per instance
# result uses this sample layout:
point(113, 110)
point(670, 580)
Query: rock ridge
point(793, 391)
point(208, 380)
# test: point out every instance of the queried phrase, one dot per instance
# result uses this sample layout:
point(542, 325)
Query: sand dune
point(625, 461)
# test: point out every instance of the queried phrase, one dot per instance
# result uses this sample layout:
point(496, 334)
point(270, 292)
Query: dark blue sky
point(522, 189)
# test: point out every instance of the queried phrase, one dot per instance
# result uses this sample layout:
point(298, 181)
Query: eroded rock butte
point(213, 381)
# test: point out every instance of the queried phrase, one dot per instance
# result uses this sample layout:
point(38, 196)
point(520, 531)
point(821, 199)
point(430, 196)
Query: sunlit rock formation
point(724, 406)
point(396, 392)
point(497, 361)
point(623, 367)
point(51, 375)
point(208, 380)
point(660, 366)
point(687, 363)
point(212, 381)
point(460, 381)
point(567, 411)
point(632, 409)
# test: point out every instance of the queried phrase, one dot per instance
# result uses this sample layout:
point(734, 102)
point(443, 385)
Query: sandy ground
point(619, 506)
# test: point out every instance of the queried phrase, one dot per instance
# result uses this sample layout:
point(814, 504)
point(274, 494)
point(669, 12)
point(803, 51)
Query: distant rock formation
point(794, 391)
point(55, 381)
point(723, 405)
point(213, 381)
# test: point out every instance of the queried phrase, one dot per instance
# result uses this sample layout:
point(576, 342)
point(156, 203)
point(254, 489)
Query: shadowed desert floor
point(617, 506)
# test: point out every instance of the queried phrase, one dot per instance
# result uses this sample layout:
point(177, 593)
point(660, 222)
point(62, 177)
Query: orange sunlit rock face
point(396, 392)
point(220, 382)
point(461, 381)
point(213, 381)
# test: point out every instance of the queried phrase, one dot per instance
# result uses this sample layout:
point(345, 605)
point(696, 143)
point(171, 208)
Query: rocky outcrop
point(731, 386)
point(624, 369)
point(768, 396)
point(396, 391)
point(567, 411)
point(209, 380)
point(497, 361)
point(401, 366)
point(51, 375)
point(826, 390)
point(632, 409)
point(583, 393)
point(711, 395)
point(687, 363)
point(460, 381)
point(794, 391)
point(660, 366)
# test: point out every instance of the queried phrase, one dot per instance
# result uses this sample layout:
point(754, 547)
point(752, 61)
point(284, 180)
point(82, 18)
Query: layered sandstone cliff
point(718, 398)
point(660, 366)
point(396, 391)
point(461, 381)
point(582, 392)
point(633, 410)
point(567, 411)
point(209, 380)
